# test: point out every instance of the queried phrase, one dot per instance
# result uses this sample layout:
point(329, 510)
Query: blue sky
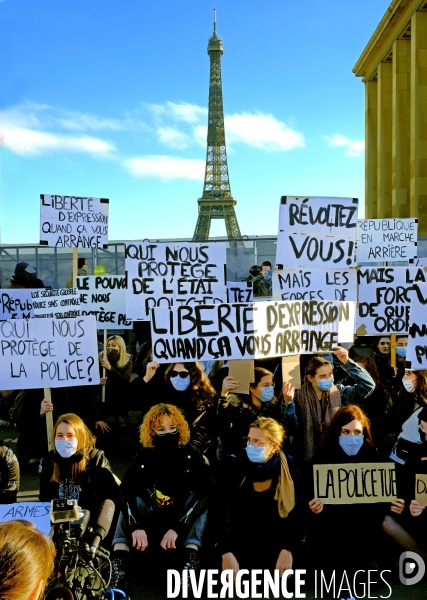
point(109, 99)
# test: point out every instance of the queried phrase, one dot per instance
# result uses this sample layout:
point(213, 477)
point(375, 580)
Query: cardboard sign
point(104, 296)
point(242, 371)
point(291, 371)
point(16, 304)
point(355, 483)
point(416, 353)
point(315, 284)
point(239, 291)
point(63, 303)
point(73, 222)
point(385, 298)
point(172, 274)
point(421, 489)
point(316, 232)
point(249, 330)
point(38, 513)
point(380, 240)
point(48, 353)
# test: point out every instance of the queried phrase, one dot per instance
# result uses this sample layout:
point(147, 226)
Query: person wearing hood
point(81, 272)
point(76, 470)
point(25, 277)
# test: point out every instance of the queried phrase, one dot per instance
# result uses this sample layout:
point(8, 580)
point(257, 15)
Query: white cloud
point(262, 131)
point(30, 142)
point(183, 111)
point(165, 167)
point(354, 147)
point(172, 137)
point(200, 134)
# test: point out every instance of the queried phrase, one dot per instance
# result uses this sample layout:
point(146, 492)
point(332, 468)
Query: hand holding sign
point(397, 506)
point(229, 384)
point(341, 354)
point(415, 508)
point(45, 407)
point(316, 506)
point(105, 364)
point(288, 392)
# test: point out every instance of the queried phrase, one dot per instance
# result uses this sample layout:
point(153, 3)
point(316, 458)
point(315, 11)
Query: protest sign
point(291, 371)
point(62, 303)
point(416, 352)
point(355, 483)
point(316, 232)
point(16, 304)
point(46, 353)
point(154, 271)
point(104, 296)
point(249, 330)
point(315, 284)
point(385, 298)
point(242, 371)
point(38, 513)
point(421, 489)
point(386, 240)
point(73, 221)
point(239, 291)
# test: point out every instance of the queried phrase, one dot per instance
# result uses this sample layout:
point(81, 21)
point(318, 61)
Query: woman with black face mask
point(118, 366)
point(164, 494)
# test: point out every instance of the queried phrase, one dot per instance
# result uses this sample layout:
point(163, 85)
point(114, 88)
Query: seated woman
point(186, 386)
point(118, 366)
point(26, 561)
point(319, 398)
point(237, 411)
point(260, 490)
point(9, 475)
point(76, 470)
point(164, 493)
point(348, 439)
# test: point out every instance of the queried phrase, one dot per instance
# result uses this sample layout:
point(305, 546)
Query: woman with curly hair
point(186, 386)
point(118, 366)
point(164, 493)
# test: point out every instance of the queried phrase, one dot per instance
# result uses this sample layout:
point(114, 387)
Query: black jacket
point(9, 475)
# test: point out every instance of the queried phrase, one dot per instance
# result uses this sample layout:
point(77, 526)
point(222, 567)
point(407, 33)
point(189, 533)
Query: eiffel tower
point(216, 201)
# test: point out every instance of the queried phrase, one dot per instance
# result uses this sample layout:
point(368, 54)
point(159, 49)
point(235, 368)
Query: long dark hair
point(342, 417)
point(369, 364)
point(201, 389)
point(315, 363)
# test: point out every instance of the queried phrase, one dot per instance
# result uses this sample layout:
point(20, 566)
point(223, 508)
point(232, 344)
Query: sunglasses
point(183, 374)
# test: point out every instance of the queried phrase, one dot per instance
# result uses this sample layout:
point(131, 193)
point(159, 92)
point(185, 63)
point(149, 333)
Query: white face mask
point(408, 384)
point(66, 448)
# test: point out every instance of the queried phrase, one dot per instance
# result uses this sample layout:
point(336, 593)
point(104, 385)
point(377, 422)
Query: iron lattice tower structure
point(216, 201)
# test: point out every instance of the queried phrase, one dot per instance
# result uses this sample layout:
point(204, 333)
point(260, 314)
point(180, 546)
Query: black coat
point(9, 475)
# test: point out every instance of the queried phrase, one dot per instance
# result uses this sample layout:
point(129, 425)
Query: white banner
point(38, 513)
point(249, 330)
point(384, 299)
point(104, 296)
point(16, 304)
point(62, 303)
point(380, 240)
point(73, 222)
point(416, 354)
point(315, 284)
point(43, 353)
point(239, 291)
point(157, 272)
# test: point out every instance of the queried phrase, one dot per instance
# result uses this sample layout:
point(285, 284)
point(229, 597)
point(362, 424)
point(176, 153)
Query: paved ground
point(146, 583)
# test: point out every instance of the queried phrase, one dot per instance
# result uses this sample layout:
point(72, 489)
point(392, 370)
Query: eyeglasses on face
point(183, 374)
point(163, 431)
point(256, 443)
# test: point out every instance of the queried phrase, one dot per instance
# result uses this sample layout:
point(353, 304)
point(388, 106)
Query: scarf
point(264, 471)
point(285, 491)
point(316, 415)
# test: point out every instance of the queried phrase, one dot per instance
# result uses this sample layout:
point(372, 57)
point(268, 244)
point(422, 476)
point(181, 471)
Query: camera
point(82, 568)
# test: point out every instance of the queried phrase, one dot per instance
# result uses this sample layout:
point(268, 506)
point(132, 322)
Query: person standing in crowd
point(165, 493)
point(26, 561)
point(81, 271)
point(260, 490)
point(25, 277)
point(381, 352)
point(319, 398)
point(401, 347)
point(118, 366)
point(237, 411)
point(262, 283)
point(9, 475)
point(253, 272)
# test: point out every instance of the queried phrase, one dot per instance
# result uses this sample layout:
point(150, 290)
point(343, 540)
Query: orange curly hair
point(151, 422)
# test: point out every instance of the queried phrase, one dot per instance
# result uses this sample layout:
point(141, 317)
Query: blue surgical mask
point(180, 383)
point(256, 455)
point(351, 444)
point(267, 394)
point(325, 384)
point(66, 448)
point(401, 351)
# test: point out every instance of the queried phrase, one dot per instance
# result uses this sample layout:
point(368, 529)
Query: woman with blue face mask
point(238, 411)
point(260, 491)
point(348, 440)
point(319, 398)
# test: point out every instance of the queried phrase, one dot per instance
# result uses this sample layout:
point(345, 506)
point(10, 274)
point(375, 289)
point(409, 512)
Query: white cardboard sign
point(315, 284)
point(38, 513)
point(416, 355)
point(380, 240)
point(239, 291)
point(104, 296)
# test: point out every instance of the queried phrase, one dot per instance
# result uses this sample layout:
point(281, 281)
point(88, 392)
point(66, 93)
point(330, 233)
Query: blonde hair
point(124, 357)
point(85, 440)
point(151, 423)
point(26, 560)
point(272, 430)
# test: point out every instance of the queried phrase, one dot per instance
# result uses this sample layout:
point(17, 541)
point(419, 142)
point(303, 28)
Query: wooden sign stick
point(103, 370)
point(49, 421)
